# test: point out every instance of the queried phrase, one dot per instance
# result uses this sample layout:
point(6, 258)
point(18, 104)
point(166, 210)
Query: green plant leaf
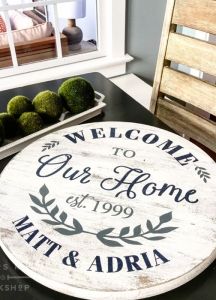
point(155, 238)
point(109, 243)
point(54, 211)
point(149, 226)
point(48, 203)
point(44, 191)
point(105, 232)
point(166, 217)
point(77, 225)
point(124, 231)
point(206, 173)
point(137, 230)
point(64, 231)
point(165, 230)
point(63, 217)
point(55, 142)
point(36, 200)
point(132, 242)
point(35, 209)
point(200, 168)
point(51, 222)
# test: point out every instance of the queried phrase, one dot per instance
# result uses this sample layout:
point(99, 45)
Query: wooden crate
point(32, 51)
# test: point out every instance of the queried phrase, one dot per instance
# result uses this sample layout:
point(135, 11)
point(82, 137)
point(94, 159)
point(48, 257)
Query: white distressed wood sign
point(110, 210)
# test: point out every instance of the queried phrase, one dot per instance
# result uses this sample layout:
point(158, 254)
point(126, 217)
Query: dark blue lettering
point(150, 138)
point(55, 163)
point(131, 262)
point(129, 133)
point(77, 174)
point(73, 136)
point(113, 133)
point(184, 159)
point(167, 146)
point(146, 260)
point(97, 133)
point(71, 259)
point(157, 256)
point(30, 235)
point(130, 177)
point(97, 263)
point(22, 224)
point(119, 264)
point(123, 181)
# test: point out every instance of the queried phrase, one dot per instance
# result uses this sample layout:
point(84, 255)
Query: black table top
point(120, 107)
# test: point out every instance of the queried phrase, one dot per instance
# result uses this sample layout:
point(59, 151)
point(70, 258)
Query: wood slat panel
point(185, 122)
point(189, 89)
point(197, 14)
point(161, 53)
point(192, 52)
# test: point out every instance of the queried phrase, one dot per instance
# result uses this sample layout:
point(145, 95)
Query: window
point(40, 32)
point(102, 45)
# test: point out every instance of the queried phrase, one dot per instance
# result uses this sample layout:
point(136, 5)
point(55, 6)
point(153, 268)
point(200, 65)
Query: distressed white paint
point(190, 248)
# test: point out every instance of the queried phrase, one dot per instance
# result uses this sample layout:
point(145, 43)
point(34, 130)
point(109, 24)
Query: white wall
point(89, 23)
point(143, 28)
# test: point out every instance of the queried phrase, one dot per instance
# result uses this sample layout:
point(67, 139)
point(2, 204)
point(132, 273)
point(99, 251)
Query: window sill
point(135, 87)
point(108, 66)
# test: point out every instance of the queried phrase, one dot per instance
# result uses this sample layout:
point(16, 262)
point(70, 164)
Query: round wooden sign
point(110, 211)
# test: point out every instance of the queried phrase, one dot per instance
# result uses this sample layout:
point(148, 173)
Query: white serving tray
point(15, 145)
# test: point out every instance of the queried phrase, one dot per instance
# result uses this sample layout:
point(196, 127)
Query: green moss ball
point(49, 105)
point(2, 134)
point(30, 122)
point(18, 105)
point(9, 123)
point(77, 94)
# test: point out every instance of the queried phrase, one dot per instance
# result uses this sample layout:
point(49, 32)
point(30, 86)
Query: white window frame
point(109, 59)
